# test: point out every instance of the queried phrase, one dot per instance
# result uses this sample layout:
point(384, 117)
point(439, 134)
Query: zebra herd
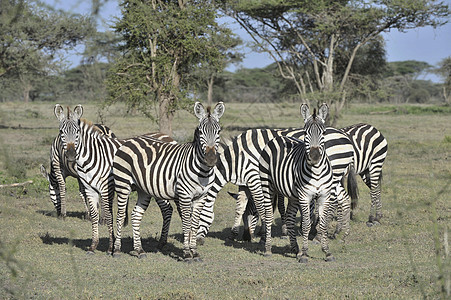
point(308, 166)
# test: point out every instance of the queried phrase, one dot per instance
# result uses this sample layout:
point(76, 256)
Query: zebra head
point(208, 131)
point(69, 129)
point(314, 132)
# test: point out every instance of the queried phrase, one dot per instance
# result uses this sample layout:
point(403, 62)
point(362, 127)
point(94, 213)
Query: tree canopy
point(31, 37)
point(165, 42)
point(305, 37)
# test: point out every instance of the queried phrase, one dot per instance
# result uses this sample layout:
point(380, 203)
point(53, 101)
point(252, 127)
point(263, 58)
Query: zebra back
point(182, 172)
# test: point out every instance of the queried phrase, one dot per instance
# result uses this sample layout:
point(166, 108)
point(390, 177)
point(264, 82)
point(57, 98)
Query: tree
point(165, 41)
point(444, 71)
point(304, 37)
point(31, 37)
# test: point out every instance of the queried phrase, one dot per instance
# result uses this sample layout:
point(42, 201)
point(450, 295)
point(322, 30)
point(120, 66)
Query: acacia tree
point(31, 37)
point(165, 41)
point(304, 36)
point(444, 71)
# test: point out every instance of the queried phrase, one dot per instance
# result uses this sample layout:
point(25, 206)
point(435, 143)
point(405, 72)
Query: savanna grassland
point(44, 257)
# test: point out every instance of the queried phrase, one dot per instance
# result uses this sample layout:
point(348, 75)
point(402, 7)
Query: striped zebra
point(302, 172)
point(60, 169)
point(182, 173)
point(370, 148)
point(238, 163)
point(93, 155)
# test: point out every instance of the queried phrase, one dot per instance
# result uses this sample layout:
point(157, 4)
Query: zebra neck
point(319, 168)
point(92, 139)
point(199, 160)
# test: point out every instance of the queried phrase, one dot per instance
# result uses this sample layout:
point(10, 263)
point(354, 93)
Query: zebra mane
point(314, 113)
point(68, 112)
point(91, 126)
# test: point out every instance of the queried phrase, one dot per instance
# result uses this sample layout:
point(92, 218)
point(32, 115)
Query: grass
point(44, 257)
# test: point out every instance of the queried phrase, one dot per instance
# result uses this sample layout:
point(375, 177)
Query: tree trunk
point(165, 114)
point(210, 90)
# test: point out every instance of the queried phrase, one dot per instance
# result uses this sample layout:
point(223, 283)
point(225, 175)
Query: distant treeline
point(396, 82)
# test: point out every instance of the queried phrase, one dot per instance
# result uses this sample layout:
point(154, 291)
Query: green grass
point(44, 257)
point(403, 109)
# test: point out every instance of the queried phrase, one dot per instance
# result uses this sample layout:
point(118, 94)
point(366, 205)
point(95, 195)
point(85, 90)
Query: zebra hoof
point(376, 223)
point(330, 258)
point(247, 236)
point(116, 254)
point(90, 252)
point(267, 254)
point(369, 224)
point(142, 255)
point(303, 259)
point(197, 258)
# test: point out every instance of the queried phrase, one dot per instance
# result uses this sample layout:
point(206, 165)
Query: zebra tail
point(353, 190)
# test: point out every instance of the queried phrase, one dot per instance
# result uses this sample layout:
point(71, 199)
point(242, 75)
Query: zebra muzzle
point(314, 155)
point(210, 156)
point(70, 153)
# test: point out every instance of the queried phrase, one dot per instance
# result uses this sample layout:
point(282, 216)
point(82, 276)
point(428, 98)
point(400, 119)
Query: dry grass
point(44, 257)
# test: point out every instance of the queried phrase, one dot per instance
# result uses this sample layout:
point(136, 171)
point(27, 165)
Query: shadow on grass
point(69, 214)
point(150, 245)
point(254, 246)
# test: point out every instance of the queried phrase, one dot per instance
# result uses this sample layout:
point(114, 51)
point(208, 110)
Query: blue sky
point(423, 44)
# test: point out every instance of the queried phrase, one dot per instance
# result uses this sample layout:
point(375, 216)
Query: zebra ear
point(219, 110)
point(59, 112)
point(78, 111)
point(323, 111)
point(199, 110)
point(44, 172)
point(305, 111)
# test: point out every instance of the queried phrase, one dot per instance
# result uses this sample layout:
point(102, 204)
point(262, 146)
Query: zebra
point(60, 168)
point(238, 163)
point(370, 148)
point(182, 173)
point(300, 171)
point(93, 155)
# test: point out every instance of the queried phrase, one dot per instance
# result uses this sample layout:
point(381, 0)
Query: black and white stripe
point(238, 163)
point(60, 169)
point(93, 155)
point(182, 173)
point(302, 172)
point(370, 148)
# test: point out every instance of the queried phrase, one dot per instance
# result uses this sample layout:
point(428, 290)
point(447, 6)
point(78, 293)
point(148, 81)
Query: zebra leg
point(262, 200)
point(107, 212)
point(292, 210)
point(123, 191)
point(376, 202)
point(61, 180)
point(250, 219)
point(185, 209)
point(206, 218)
point(344, 205)
point(283, 216)
point(137, 215)
point(305, 215)
point(81, 189)
point(197, 208)
point(166, 212)
point(93, 200)
point(241, 202)
point(323, 212)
